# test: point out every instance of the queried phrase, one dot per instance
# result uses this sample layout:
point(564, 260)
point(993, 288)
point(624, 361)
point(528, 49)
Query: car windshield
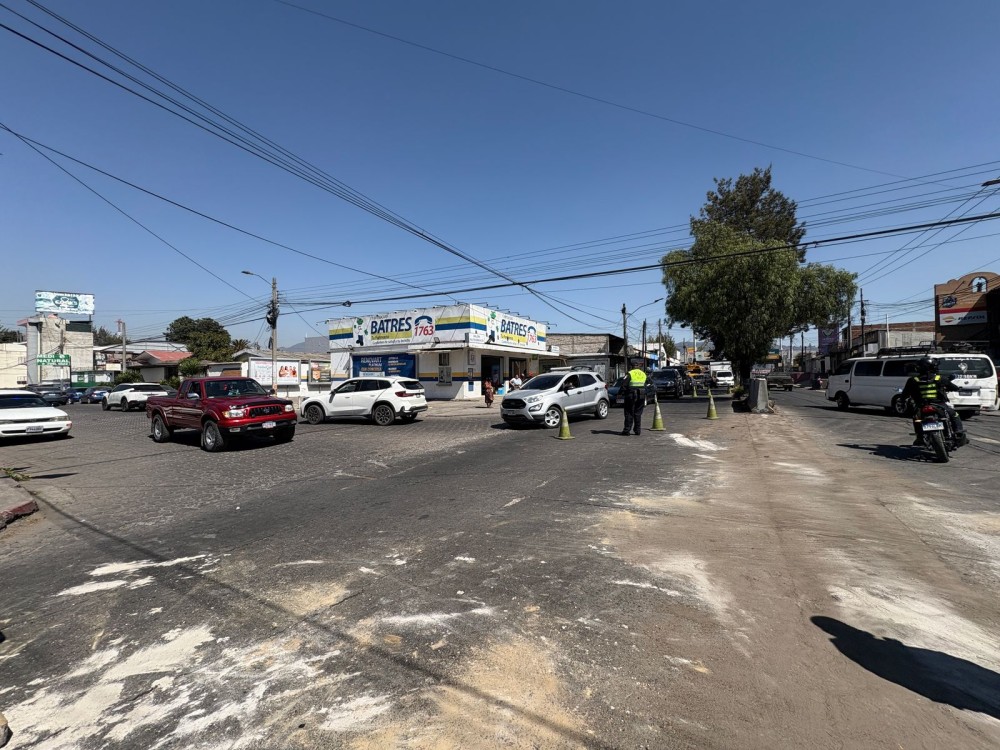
point(233, 388)
point(723, 374)
point(965, 367)
point(20, 401)
point(542, 382)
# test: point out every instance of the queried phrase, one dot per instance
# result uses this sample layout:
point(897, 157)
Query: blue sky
point(501, 168)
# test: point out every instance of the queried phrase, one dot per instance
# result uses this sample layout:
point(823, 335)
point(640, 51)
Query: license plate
point(966, 393)
point(34, 428)
point(269, 425)
point(508, 412)
point(933, 427)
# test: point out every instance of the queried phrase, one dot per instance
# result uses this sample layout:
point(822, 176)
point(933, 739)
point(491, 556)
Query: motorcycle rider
point(928, 387)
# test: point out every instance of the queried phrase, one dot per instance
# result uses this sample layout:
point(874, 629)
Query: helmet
point(926, 365)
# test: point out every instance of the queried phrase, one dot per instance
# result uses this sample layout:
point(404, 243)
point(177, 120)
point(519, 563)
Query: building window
point(444, 359)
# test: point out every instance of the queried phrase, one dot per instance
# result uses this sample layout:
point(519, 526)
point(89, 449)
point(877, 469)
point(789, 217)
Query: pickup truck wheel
point(314, 414)
point(105, 405)
point(161, 433)
point(843, 402)
point(383, 415)
point(124, 404)
point(284, 436)
point(212, 440)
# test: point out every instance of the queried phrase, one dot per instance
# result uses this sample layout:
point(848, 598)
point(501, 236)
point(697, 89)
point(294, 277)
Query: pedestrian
point(488, 391)
point(635, 398)
point(515, 382)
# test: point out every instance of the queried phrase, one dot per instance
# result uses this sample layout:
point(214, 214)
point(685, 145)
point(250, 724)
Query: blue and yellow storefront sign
point(470, 324)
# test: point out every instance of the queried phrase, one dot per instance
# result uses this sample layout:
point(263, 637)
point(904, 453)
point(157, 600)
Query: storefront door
point(518, 367)
point(493, 369)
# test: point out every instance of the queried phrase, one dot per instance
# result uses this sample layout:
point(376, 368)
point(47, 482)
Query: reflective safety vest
point(929, 388)
point(636, 378)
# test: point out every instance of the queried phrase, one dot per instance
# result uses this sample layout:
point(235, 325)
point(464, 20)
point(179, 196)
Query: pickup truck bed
point(221, 409)
point(780, 380)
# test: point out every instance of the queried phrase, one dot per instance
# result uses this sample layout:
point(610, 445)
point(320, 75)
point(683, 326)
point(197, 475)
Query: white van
point(875, 381)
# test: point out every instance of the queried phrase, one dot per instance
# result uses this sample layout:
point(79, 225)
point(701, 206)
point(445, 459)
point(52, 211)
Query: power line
point(580, 94)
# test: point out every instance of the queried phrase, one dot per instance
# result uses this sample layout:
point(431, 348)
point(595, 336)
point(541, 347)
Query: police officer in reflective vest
point(635, 398)
point(927, 387)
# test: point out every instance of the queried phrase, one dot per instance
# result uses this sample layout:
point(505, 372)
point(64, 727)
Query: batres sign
point(64, 302)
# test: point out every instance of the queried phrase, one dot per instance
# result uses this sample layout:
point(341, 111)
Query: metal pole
point(660, 349)
point(645, 364)
point(625, 337)
point(274, 334)
point(121, 327)
point(862, 322)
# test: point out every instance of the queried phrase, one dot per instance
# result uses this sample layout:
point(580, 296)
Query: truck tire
point(900, 406)
point(159, 430)
point(843, 402)
point(212, 439)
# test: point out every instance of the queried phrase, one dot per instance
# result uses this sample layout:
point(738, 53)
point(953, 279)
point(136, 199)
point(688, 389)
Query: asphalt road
point(754, 581)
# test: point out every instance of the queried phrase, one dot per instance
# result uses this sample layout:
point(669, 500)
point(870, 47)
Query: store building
point(967, 311)
point(451, 349)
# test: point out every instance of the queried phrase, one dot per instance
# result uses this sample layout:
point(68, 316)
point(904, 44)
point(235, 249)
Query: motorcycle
point(937, 431)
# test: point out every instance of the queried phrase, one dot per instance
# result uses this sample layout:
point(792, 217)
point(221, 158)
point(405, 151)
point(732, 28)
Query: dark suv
point(669, 383)
point(616, 392)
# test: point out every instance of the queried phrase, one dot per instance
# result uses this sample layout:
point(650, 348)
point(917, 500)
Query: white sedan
point(25, 414)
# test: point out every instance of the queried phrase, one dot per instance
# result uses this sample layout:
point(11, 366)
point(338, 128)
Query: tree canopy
point(741, 283)
point(205, 338)
point(104, 337)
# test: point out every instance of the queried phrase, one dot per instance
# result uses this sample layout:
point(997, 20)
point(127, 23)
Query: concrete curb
point(15, 502)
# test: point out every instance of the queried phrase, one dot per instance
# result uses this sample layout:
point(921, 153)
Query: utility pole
point(862, 322)
point(660, 349)
point(121, 330)
point(625, 337)
point(272, 319)
point(645, 364)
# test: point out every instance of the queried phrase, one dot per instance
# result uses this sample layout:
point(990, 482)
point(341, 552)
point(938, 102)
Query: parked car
point(54, 394)
point(380, 399)
point(544, 398)
point(75, 394)
point(616, 391)
point(95, 394)
point(222, 409)
point(668, 383)
point(24, 413)
point(131, 395)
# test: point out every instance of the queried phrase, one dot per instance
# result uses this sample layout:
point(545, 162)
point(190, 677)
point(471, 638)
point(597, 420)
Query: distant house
point(158, 364)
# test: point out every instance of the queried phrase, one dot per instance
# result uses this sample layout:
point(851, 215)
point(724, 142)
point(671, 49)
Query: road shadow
point(192, 438)
point(54, 476)
point(937, 676)
point(607, 432)
point(895, 452)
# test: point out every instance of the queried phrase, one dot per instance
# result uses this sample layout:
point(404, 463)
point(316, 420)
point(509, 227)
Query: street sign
point(53, 360)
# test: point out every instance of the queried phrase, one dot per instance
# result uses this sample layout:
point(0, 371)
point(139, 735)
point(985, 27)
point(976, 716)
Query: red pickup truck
point(222, 409)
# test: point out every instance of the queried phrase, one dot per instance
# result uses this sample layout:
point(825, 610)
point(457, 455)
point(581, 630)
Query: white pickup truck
point(132, 395)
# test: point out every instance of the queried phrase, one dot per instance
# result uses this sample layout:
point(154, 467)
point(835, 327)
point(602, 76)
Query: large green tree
point(205, 338)
point(9, 335)
point(104, 337)
point(741, 284)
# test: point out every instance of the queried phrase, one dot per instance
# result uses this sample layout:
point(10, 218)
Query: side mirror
point(193, 395)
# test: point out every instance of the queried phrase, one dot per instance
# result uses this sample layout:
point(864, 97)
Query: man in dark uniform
point(635, 398)
point(927, 387)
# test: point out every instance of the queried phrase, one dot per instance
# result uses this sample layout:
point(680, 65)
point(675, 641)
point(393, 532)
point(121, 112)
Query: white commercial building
point(452, 350)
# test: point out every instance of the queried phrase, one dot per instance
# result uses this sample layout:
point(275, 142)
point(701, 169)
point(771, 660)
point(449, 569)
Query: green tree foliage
point(9, 335)
point(752, 207)
point(190, 367)
point(205, 338)
point(240, 344)
point(129, 376)
point(743, 302)
point(667, 342)
point(104, 337)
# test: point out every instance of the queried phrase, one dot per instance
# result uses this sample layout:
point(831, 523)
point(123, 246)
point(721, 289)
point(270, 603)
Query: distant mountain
point(313, 344)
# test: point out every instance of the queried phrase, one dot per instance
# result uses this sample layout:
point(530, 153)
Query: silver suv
point(544, 398)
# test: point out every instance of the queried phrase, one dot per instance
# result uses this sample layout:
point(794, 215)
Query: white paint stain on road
point(644, 585)
point(515, 501)
point(432, 619)
point(89, 588)
point(465, 559)
point(355, 713)
point(697, 443)
point(299, 562)
point(114, 569)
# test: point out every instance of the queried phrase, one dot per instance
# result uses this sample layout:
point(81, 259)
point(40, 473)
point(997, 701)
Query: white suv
point(378, 398)
point(544, 398)
point(131, 395)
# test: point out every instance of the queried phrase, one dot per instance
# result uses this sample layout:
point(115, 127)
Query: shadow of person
point(935, 675)
point(895, 452)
